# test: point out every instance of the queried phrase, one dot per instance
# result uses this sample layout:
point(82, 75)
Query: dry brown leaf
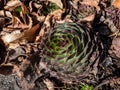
point(58, 2)
point(13, 45)
point(11, 38)
point(20, 19)
point(116, 3)
point(28, 35)
point(16, 22)
point(49, 84)
point(39, 18)
point(74, 3)
point(11, 5)
point(42, 31)
point(89, 18)
point(24, 9)
point(5, 13)
point(2, 21)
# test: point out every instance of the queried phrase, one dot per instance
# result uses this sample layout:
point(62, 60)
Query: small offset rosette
point(84, 12)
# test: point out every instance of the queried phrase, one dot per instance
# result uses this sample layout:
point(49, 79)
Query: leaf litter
point(25, 23)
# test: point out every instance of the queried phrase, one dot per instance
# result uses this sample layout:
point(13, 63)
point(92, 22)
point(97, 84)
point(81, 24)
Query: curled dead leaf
point(27, 36)
point(24, 9)
point(11, 5)
point(17, 6)
point(5, 13)
point(116, 3)
point(49, 84)
point(89, 18)
point(11, 37)
point(3, 21)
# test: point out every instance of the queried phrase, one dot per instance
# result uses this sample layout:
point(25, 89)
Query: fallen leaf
point(49, 84)
point(28, 35)
point(89, 18)
point(7, 13)
point(11, 5)
point(116, 3)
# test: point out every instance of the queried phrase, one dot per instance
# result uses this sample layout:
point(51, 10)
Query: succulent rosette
point(83, 12)
point(67, 49)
